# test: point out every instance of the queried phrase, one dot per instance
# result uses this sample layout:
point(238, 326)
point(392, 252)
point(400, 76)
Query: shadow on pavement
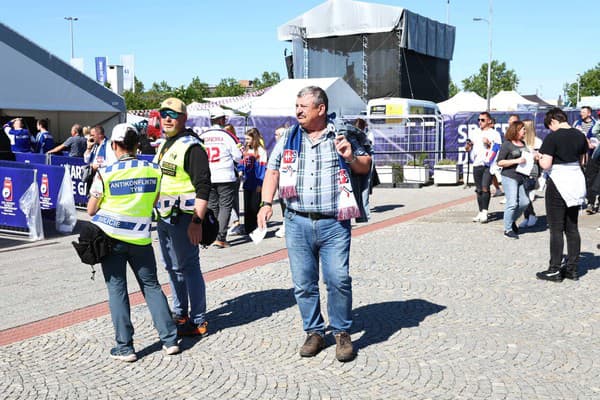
point(587, 262)
point(387, 207)
point(381, 320)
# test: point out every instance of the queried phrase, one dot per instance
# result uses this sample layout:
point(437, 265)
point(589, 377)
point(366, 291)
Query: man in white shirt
point(99, 152)
point(483, 147)
point(223, 149)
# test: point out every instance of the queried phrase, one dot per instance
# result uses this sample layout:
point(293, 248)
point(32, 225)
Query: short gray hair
point(318, 93)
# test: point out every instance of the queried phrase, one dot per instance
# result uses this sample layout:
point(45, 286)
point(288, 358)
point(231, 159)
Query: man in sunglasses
point(485, 144)
point(181, 207)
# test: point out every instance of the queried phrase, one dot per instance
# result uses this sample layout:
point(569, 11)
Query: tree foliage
point(141, 99)
point(501, 79)
point(452, 89)
point(267, 79)
point(589, 85)
point(228, 87)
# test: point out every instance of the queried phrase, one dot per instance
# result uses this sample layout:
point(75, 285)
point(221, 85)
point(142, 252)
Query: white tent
point(509, 100)
point(342, 17)
point(37, 84)
point(280, 100)
point(463, 101)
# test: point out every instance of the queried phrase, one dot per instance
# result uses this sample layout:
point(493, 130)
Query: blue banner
point(75, 165)
point(101, 69)
point(31, 158)
point(15, 181)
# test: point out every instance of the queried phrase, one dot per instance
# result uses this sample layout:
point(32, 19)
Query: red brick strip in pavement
point(33, 329)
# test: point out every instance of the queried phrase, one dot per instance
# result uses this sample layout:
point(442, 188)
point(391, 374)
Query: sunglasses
point(169, 113)
point(482, 120)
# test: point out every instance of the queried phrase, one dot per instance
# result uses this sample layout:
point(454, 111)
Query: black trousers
point(251, 207)
point(562, 220)
point(592, 180)
point(483, 179)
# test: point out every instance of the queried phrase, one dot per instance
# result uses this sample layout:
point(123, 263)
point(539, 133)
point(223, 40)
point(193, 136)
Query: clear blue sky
point(547, 42)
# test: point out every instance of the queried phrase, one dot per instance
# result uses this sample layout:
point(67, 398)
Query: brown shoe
point(343, 347)
point(313, 344)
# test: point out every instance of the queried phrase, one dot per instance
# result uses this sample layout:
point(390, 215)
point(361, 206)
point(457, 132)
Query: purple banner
point(101, 69)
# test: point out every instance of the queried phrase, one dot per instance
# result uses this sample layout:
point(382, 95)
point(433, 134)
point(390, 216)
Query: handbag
point(210, 228)
point(93, 244)
point(87, 177)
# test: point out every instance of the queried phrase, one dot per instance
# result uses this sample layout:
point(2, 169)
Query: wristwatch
point(196, 220)
point(265, 203)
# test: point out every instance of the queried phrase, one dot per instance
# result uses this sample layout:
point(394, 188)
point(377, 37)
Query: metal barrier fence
point(404, 140)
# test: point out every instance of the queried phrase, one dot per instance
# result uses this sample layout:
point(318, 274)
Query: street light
point(489, 69)
point(71, 19)
point(578, 85)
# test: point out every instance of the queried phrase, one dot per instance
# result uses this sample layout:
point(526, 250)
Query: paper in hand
point(258, 235)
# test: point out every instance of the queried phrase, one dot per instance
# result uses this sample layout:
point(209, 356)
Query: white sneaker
point(477, 218)
point(484, 217)
point(531, 221)
point(235, 230)
point(280, 232)
point(171, 350)
point(524, 223)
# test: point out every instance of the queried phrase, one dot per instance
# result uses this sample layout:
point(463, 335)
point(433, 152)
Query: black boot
point(570, 273)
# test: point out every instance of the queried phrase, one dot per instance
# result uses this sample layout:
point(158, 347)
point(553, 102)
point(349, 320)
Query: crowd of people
point(526, 164)
point(309, 171)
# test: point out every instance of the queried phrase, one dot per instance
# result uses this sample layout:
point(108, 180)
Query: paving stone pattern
point(444, 309)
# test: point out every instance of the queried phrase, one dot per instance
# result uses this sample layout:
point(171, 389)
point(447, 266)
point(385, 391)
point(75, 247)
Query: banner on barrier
point(15, 182)
point(75, 166)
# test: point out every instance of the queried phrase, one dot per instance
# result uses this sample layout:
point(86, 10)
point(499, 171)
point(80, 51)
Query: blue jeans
point(329, 240)
point(516, 201)
point(142, 262)
point(182, 261)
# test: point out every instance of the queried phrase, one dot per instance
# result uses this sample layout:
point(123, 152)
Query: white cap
point(119, 131)
point(216, 112)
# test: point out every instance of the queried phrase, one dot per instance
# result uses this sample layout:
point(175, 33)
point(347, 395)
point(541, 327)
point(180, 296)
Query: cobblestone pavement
point(444, 309)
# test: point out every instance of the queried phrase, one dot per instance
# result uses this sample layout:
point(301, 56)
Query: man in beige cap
point(181, 206)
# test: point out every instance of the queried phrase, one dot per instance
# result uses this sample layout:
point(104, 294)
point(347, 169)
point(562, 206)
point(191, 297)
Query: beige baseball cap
point(173, 103)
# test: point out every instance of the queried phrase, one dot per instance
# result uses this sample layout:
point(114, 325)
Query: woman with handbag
point(122, 198)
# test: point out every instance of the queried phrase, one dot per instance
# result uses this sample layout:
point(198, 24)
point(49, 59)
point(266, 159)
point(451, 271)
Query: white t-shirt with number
point(222, 150)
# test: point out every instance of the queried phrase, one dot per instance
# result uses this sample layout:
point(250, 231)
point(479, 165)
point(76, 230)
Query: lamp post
point(578, 86)
point(71, 19)
point(489, 67)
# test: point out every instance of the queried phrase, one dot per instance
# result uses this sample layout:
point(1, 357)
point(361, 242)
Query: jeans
point(221, 202)
point(562, 220)
point(142, 262)
point(328, 240)
point(516, 201)
point(182, 262)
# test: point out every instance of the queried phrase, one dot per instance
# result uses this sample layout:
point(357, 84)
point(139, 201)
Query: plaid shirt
point(318, 168)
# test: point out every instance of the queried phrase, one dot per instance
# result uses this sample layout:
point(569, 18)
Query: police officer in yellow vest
point(122, 197)
point(182, 205)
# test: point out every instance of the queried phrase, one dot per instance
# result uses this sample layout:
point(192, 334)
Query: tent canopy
point(280, 100)
point(37, 84)
point(463, 101)
point(509, 100)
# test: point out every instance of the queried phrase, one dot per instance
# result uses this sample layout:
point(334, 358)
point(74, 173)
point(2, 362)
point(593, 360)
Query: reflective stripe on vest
point(176, 181)
point(130, 189)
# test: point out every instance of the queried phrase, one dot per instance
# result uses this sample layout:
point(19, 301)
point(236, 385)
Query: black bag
point(210, 228)
point(93, 244)
point(87, 177)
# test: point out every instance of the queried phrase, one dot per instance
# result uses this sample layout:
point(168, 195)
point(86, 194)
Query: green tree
point(589, 85)
point(452, 89)
point(501, 79)
point(267, 79)
point(228, 87)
